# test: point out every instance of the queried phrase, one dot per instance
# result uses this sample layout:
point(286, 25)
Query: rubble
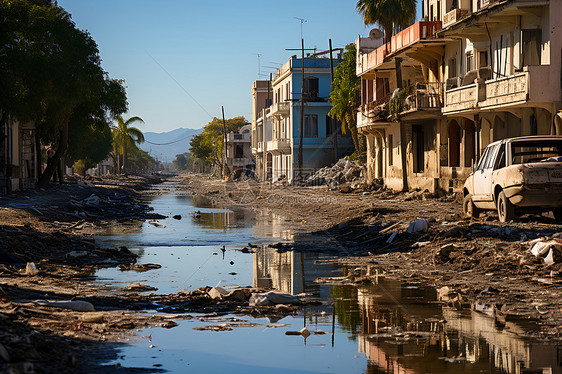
point(341, 172)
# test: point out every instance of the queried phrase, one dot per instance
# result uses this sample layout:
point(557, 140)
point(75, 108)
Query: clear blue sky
point(208, 47)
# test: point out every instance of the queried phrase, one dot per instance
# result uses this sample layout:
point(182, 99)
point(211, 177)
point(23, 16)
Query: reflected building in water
point(291, 272)
point(405, 330)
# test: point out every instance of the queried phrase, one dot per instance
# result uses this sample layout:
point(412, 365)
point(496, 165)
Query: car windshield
point(535, 151)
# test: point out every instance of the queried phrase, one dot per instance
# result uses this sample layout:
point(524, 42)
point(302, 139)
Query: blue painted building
point(275, 127)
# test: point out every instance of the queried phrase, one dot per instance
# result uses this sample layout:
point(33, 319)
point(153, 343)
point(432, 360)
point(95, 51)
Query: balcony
point(461, 98)
point(506, 90)
point(453, 16)
point(279, 146)
point(281, 109)
point(417, 32)
point(423, 97)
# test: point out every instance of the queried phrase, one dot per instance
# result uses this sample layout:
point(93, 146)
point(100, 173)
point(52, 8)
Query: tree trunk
point(52, 166)
point(125, 157)
point(38, 158)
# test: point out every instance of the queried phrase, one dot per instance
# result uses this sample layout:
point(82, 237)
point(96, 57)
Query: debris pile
point(343, 171)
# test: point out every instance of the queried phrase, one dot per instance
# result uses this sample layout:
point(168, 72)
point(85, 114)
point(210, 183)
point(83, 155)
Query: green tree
point(209, 145)
point(346, 95)
point(126, 137)
point(181, 161)
point(392, 15)
point(50, 72)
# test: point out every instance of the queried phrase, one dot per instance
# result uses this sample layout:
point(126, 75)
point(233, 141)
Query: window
point(469, 61)
point(310, 126)
point(483, 59)
point(238, 136)
point(390, 147)
point(500, 162)
point(528, 151)
point(329, 126)
point(483, 159)
point(452, 68)
point(239, 151)
point(310, 87)
point(532, 47)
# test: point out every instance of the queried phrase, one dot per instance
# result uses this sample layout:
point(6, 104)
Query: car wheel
point(468, 207)
point(506, 210)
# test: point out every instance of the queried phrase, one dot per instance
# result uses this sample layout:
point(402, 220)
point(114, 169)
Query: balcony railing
point(454, 16)
point(461, 98)
point(419, 31)
point(281, 109)
point(278, 145)
point(506, 90)
point(424, 96)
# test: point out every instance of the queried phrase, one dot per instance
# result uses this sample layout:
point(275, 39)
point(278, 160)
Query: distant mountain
point(167, 152)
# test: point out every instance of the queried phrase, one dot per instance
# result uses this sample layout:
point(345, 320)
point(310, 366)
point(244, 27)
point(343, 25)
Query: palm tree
point(392, 15)
point(346, 95)
point(126, 135)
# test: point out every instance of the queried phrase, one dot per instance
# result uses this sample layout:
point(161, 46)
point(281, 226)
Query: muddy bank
point(481, 264)
point(48, 252)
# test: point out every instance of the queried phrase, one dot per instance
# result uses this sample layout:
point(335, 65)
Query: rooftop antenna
point(302, 21)
point(259, 66)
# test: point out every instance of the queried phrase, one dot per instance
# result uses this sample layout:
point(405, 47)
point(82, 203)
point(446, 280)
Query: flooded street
point(388, 326)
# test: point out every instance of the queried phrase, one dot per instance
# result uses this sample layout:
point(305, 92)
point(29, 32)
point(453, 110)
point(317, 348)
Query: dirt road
point(484, 264)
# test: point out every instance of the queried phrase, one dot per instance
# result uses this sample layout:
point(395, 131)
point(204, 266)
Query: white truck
point(514, 175)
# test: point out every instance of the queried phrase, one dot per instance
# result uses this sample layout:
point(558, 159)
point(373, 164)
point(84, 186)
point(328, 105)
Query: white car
point(517, 174)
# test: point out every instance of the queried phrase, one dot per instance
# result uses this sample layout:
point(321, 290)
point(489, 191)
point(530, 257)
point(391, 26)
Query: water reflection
point(402, 328)
point(382, 327)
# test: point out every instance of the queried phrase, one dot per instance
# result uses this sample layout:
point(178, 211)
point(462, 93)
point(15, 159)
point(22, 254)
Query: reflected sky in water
point(385, 327)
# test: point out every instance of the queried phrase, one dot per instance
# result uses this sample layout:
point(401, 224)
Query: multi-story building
point(238, 153)
point(474, 71)
point(275, 127)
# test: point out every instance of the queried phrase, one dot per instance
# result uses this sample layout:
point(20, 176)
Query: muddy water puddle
point(386, 327)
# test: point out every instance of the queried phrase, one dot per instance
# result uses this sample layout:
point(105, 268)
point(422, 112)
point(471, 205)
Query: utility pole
point(224, 165)
point(301, 127)
point(334, 121)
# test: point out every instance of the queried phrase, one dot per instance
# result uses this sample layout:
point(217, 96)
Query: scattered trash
point(139, 267)
point(93, 317)
point(139, 287)
point(76, 254)
point(304, 332)
point(488, 290)
point(549, 250)
point(272, 298)
point(169, 324)
point(391, 238)
point(76, 305)
point(421, 225)
point(217, 328)
point(93, 199)
point(31, 269)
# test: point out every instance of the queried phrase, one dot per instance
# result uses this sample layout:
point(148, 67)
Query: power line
point(175, 141)
point(178, 83)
